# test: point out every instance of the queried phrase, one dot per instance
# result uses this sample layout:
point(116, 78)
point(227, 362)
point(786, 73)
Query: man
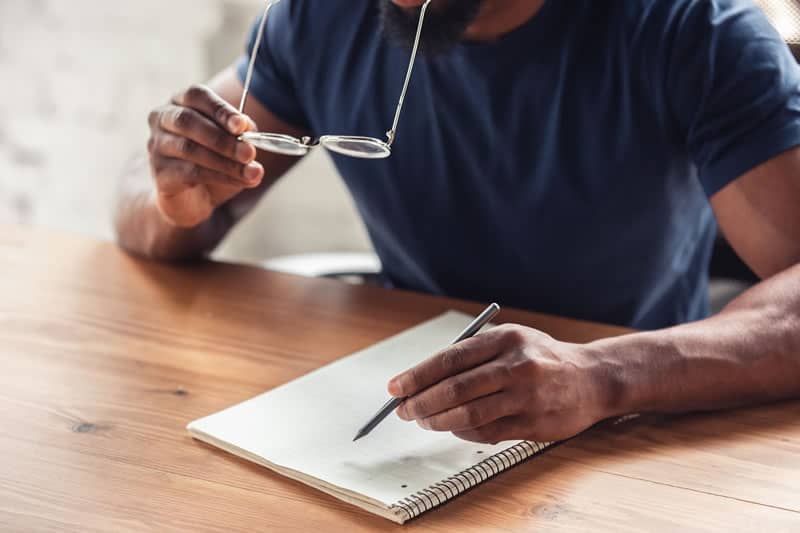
point(568, 156)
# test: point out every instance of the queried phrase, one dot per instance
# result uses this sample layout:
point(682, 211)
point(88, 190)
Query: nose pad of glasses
point(363, 147)
point(276, 143)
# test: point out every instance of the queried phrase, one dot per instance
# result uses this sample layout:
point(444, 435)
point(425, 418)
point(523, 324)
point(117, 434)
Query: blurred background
point(78, 80)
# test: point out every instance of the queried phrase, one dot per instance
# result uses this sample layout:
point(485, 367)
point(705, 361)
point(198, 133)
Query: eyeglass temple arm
point(254, 53)
point(391, 133)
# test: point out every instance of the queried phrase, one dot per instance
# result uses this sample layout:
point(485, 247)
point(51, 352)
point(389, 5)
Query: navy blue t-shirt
point(565, 167)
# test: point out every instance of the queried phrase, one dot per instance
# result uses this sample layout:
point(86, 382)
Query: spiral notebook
point(304, 430)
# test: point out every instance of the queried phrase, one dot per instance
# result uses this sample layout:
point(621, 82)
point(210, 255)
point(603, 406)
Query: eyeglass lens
point(276, 142)
point(363, 147)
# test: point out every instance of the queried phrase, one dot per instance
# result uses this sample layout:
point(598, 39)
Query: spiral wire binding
point(414, 505)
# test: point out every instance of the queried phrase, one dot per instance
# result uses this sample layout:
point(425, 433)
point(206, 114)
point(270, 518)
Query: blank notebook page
point(308, 425)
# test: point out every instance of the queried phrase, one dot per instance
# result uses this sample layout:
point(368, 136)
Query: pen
point(474, 327)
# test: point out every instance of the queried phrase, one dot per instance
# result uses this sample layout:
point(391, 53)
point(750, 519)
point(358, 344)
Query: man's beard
point(445, 23)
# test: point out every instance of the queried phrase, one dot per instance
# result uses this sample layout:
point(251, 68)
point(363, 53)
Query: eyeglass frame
point(304, 144)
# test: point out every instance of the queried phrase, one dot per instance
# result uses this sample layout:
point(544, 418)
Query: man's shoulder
point(659, 31)
point(675, 14)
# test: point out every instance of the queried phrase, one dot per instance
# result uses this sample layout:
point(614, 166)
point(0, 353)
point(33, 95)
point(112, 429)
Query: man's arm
point(197, 180)
point(517, 383)
point(749, 352)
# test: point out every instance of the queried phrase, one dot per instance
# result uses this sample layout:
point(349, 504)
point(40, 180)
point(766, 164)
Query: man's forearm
point(749, 353)
point(143, 230)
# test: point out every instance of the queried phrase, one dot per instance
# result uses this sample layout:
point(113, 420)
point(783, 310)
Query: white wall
point(78, 78)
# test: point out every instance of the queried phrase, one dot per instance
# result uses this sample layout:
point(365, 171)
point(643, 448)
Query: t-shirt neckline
point(537, 28)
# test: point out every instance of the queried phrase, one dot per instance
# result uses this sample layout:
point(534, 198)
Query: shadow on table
point(662, 434)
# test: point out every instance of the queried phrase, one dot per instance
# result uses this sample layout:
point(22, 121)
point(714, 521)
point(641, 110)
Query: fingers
point(494, 432)
point(194, 141)
point(474, 414)
point(175, 175)
point(210, 104)
point(171, 146)
point(457, 358)
point(191, 124)
point(455, 391)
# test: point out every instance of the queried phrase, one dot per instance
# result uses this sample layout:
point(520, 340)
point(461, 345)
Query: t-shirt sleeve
point(273, 83)
point(733, 87)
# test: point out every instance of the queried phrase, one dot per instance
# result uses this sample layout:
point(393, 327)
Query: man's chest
point(579, 119)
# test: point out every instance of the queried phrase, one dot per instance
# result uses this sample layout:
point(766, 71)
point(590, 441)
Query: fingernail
point(252, 171)
point(236, 123)
point(401, 412)
point(394, 388)
point(245, 153)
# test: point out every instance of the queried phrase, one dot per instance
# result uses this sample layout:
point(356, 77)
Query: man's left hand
point(509, 383)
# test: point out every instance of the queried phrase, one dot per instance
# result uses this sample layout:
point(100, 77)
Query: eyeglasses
point(349, 145)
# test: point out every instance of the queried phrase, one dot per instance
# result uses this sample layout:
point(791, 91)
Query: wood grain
point(105, 358)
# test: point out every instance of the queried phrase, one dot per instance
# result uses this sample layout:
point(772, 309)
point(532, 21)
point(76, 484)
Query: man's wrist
point(171, 242)
point(626, 369)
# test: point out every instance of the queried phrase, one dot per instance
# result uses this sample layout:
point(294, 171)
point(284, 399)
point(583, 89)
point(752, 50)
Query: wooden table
point(105, 358)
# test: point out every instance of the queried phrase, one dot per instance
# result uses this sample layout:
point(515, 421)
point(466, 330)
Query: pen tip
point(360, 435)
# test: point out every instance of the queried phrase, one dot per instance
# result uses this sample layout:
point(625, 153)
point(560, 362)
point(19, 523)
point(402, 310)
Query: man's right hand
point(195, 158)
